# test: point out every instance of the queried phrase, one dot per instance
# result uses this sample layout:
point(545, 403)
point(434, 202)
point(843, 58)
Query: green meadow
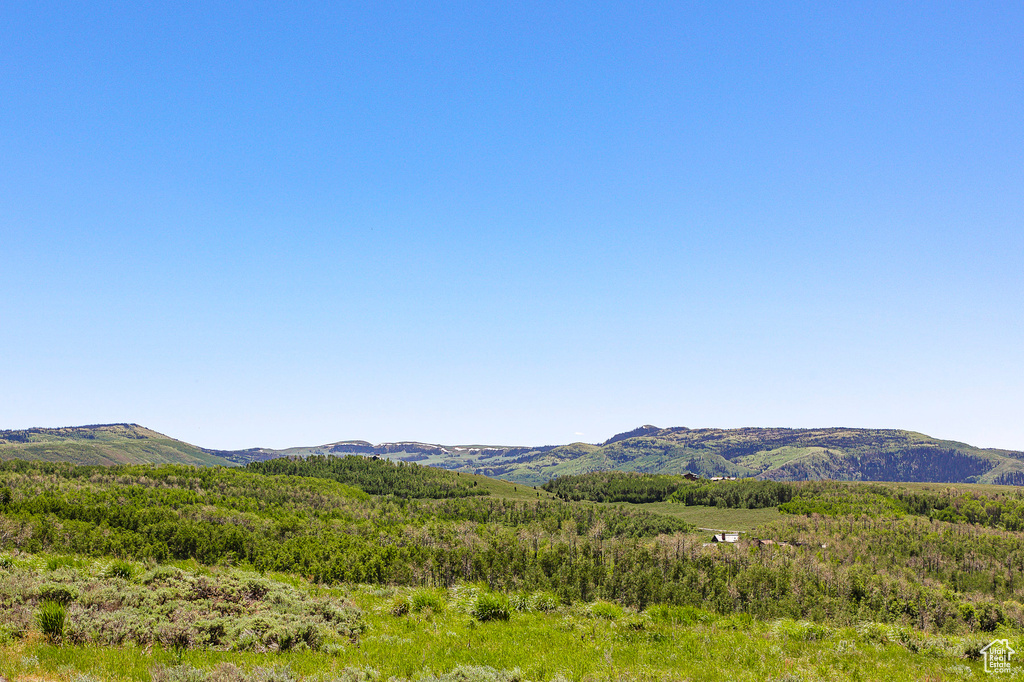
point(719, 518)
point(407, 634)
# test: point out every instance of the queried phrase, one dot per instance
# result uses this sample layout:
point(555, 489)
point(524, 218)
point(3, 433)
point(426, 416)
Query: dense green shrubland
point(583, 641)
point(742, 494)
point(997, 509)
point(855, 568)
point(375, 476)
point(961, 578)
point(225, 609)
point(614, 486)
point(316, 527)
point(228, 672)
point(617, 486)
point(992, 507)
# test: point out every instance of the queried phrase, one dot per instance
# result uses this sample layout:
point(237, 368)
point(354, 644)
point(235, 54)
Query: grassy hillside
point(103, 444)
point(715, 518)
point(851, 454)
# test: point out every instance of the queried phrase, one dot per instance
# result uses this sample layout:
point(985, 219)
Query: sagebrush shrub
point(62, 594)
point(213, 631)
point(257, 589)
point(247, 640)
point(277, 673)
point(285, 638)
point(10, 633)
point(181, 673)
point(290, 637)
point(335, 612)
point(355, 675)
point(161, 573)
point(76, 633)
point(972, 650)
point(312, 636)
point(478, 673)
point(176, 636)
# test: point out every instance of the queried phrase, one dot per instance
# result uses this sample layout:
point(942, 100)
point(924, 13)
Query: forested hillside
point(617, 486)
point(992, 506)
point(308, 525)
point(334, 532)
point(375, 476)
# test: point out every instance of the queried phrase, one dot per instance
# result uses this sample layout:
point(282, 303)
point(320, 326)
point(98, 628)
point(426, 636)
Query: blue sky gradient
point(254, 224)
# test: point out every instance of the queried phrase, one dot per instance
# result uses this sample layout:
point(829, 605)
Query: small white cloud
point(579, 433)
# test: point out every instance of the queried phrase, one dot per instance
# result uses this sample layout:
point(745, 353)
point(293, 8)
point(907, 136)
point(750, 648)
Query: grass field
point(744, 520)
point(507, 490)
point(986, 488)
point(580, 643)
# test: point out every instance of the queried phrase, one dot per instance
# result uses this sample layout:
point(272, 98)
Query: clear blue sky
point(278, 224)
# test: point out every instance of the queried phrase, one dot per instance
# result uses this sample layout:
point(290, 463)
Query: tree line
point(375, 476)
point(638, 488)
point(992, 507)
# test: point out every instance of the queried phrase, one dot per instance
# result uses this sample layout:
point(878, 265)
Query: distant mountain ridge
point(778, 454)
point(769, 453)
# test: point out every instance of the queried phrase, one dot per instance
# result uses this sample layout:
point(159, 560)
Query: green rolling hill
point(103, 444)
point(771, 453)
